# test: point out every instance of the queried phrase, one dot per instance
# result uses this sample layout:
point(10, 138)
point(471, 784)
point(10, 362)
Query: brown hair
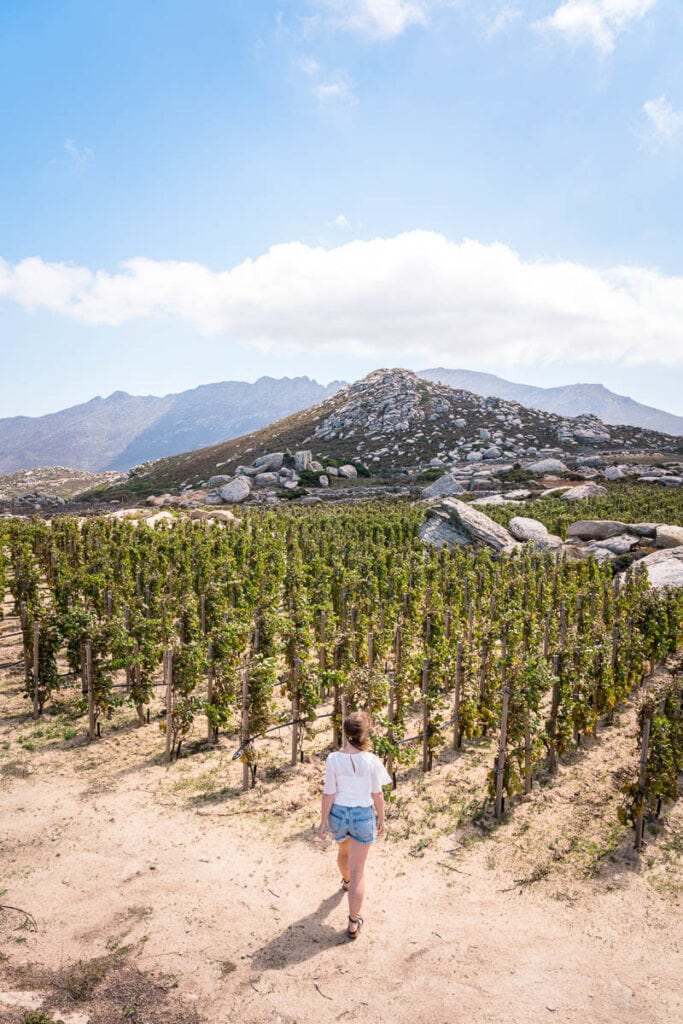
point(357, 728)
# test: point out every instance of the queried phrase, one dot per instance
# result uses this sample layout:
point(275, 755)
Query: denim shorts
point(355, 822)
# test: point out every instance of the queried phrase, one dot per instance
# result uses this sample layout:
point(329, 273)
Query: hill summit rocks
point(397, 425)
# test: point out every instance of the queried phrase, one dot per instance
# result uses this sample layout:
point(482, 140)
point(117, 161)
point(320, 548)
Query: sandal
point(345, 884)
point(358, 921)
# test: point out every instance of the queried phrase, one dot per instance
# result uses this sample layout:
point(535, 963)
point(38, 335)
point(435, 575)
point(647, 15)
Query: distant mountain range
point(570, 400)
point(122, 430)
point(396, 424)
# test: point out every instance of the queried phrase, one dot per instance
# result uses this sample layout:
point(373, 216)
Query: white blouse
point(353, 778)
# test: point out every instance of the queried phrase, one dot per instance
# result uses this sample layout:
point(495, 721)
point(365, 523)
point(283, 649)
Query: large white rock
point(664, 568)
point(445, 486)
point(618, 545)
point(265, 480)
point(159, 517)
point(596, 529)
point(643, 529)
point(546, 466)
point(236, 491)
point(477, 527)
point(270, 463)
point(349, 472)
point(523, 528)
point(615, 473)
point(496, 499)
point(440, 533)
point(218, 481)
point(584, 491)
point(668, 536)
point(303, 460)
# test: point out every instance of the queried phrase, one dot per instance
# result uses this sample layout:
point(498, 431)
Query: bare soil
point(138, 891)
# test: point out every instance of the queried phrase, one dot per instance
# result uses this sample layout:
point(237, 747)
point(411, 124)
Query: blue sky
point(207, 191)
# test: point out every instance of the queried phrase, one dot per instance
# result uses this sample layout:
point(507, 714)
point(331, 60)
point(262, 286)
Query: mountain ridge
point(397, 424)
point(563, 400)
point(120, 431)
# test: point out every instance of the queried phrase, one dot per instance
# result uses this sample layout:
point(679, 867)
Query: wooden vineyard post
point(168, 679)
point(483, 669)
point(528, 782)
point(576, 735)
point(371, 649)
point(554, 710)
point(397, 649)
point(457, 734)
point(390, 731)
point(563, 624)
point(110, 603)
point(338, 715)
point(426, 751)
point(640, 819)
point(127, 621)
point(211, 730)
point(91, 691)
point(23, 613)
point(502, 743)
point(36, 669)
point(202, 613)
point(296, 667)
point(322, 660)
point(137, 673)
point(245, 728)
point(546, 635)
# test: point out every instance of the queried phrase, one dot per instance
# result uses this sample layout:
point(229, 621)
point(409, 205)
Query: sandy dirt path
point(232, 899)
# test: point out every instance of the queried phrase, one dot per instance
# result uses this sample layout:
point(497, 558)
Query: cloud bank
point(382, 19)
point(666, 123)
point(416, 295)
point(596, 21)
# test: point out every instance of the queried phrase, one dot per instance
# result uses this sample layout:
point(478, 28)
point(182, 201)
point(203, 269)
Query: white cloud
point(309, 66)
point(338, 89)
point(77, 155)
point(342, 221)
point(381, 19)
point(665, 123)
point(501, 20)
point(596, 21)
point(417, 296)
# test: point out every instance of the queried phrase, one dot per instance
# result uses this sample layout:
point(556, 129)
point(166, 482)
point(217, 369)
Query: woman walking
point(351, 796)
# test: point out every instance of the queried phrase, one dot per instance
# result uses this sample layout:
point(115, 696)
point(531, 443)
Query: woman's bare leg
point(343, 858)
point(358, 854)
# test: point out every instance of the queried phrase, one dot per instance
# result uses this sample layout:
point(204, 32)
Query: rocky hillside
point(28, 486)
point(570, 400)
point(395, 425)
point(122, 430)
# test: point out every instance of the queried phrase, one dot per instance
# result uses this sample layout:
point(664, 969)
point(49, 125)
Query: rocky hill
point(570, 400)
point(122, 430)
point(28, 487)
point(392, 424)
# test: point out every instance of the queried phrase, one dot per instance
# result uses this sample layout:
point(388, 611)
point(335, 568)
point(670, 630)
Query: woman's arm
point(378, 800)
point(328, 800)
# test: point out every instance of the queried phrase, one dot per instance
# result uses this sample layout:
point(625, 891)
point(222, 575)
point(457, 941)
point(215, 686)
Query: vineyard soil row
point(545, 916)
